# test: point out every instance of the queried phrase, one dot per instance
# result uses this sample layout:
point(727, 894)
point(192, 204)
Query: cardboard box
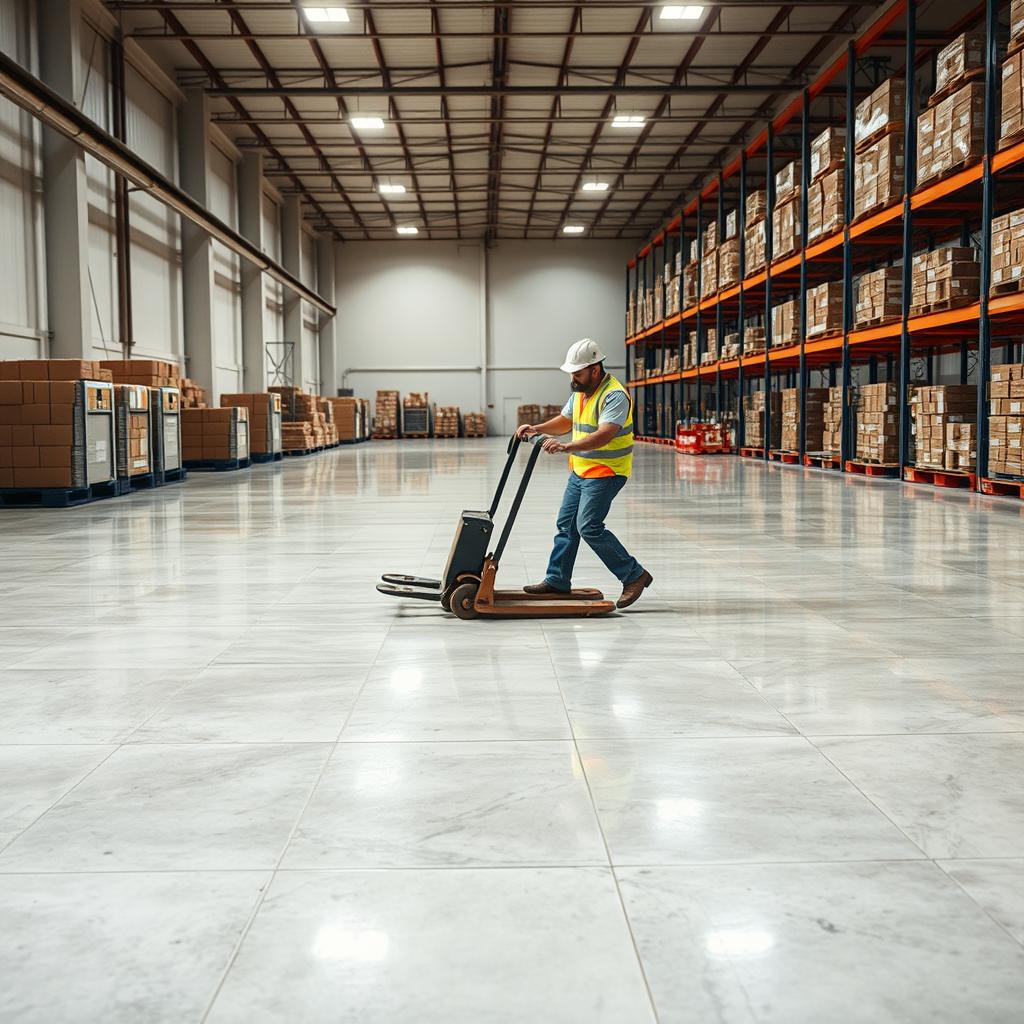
point(814, 417)
point(786, 324)
point(756, 208)
point(951, 134)
point(955, 62)
point(1011, 121)
point(786, 229)
point(756, 246)
point(787, 183)
point(878, 296)
point(754, 406)
point(828, 153)
point(945, 278)
point(826, 205)
point(882, 111)
point(878, 175)
point(825, 309)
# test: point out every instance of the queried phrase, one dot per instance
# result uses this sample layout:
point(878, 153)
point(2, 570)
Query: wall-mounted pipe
point(26, 91)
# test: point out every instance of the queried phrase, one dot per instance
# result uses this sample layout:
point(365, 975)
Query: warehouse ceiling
point(498, 120)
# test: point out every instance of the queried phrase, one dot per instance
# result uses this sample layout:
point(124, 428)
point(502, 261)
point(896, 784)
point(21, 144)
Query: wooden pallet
point(940, 477)
point(1008, 287)
point(415, 436)
point(822, 460)
point(875, 321)
point(786, 456)
point(267, 456)
point(886, 470)
point(893, 128)
point(295, 452)
point(824, 335)
point(1004, 487)
point(973, 75)
point(944, 306)
point(877, 208)
point(751, 453)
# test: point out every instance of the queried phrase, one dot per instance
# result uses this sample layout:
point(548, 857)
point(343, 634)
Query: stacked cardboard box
point(753, 340)
point(755, 232)
point(825, 309)
point(787, 183)
point(134, 448)
point(528, 414)
point(214, 435)
point(828, 152)
point(832, 425)
point(690, 351)
point(1006, 420)
point(729, 263)
point(690, 294)
point(43, 440)
point(263, 409)
point(347, 418)
point(814, 417)
point(786, 228)
point(826, 205)
point(153, 373)
point(475, 424)
point(53, 369)
point(673, 296)
point(1016, 23)
point(385, 420)
point(878, 423)
point(298, 436)
point(951, 133)
point(933, 411)
point(732, 225)
point(730, 346)
point(753, 414)
point(1007, 251)
point(709, 242)
point(1011, 122)
point(447, 423)
point(786, 324)
point(879, 296)
point(961, 60)
point(709, 274)
point(192, 395)
point(710, 346)
point(671, 361)
point(945, 279)
point(326, 410)
point(878, 139)
point(878, 175)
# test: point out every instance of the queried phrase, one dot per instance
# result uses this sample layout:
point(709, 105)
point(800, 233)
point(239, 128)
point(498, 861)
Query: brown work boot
point(631, 591)
point(542, 588)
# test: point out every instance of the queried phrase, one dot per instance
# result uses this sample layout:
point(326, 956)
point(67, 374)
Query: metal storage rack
point(966, 201)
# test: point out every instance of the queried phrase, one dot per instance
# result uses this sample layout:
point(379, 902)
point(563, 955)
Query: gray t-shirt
point(614, 410)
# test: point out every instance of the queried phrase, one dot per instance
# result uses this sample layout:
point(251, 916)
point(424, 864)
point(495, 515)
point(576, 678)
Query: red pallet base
point(786, 458)
point(940, 477)
point(823, 461)
point(752, 453)
point(657, 440)
point(1005, 488)
point(884, 470)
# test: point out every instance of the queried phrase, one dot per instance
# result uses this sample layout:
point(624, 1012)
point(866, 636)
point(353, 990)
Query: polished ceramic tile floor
point(237, 784)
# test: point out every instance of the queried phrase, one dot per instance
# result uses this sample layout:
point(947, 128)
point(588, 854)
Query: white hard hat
point(585, 352)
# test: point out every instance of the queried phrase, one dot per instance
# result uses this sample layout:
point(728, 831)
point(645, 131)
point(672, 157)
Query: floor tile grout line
point(261, 897)
point(938, 864)
point(604, 839)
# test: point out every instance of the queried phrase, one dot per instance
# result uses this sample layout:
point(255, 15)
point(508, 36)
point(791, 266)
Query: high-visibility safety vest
point(616, 457)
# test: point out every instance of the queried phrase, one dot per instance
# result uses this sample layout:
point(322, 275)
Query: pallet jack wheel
point(446, 600)
point(463, 601)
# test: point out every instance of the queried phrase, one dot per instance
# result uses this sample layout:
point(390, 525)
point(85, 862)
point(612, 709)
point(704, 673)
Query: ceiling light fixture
point(366, 123)
point(682, 12)
point(628, 121)
point(407, 229)
point(388, 189)
point(573, 229)
point(595, 186)
point(325, 15)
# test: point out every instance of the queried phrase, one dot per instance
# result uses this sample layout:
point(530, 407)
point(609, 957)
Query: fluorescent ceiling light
point(407, 229)
point(387, 189)
point(595, 186)
point(628, 121)
point(322, 15)
point(682, 12)
point(367, 123)
point(573, 229)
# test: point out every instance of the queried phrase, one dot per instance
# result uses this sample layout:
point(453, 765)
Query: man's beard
point(576, 386)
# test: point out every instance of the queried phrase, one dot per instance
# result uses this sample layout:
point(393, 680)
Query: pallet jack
point(467, 586)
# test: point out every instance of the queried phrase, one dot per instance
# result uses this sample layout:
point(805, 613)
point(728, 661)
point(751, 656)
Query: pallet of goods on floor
point(307, 421)
point(417, 415)
point(912, 319)
point(264, 409)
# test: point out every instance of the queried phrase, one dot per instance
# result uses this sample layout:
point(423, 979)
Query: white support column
point(197, 246)
point(328, 336)
point(65, 194)
point(250, 223)
point(291, 258)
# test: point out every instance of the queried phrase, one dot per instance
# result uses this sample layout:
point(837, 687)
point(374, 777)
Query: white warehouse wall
point(425, 316)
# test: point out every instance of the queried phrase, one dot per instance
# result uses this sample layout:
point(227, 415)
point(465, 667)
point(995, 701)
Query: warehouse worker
point(600, 415)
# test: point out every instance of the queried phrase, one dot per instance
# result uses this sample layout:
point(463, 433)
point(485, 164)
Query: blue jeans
point(584, 507)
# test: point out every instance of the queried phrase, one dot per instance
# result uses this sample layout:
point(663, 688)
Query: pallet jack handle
point(537, 440)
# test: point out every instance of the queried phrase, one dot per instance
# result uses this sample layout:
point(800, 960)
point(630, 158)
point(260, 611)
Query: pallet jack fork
point(467, 587)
